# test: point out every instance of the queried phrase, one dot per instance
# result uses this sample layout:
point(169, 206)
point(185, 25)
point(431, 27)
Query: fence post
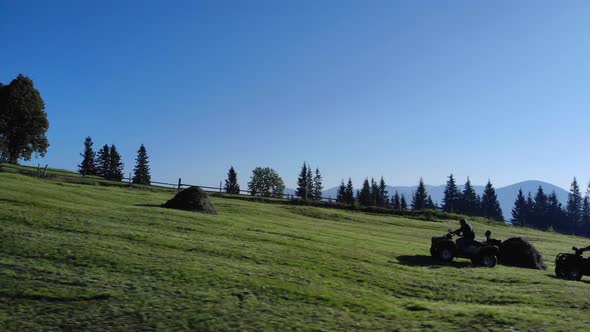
point(219, 186)
point(45, 170)
point(179, 183)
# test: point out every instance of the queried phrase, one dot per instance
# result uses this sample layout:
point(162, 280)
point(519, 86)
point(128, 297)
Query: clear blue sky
point(497, 90)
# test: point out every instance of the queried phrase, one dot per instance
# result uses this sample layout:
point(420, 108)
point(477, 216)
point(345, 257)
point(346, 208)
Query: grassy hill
point(81, 257)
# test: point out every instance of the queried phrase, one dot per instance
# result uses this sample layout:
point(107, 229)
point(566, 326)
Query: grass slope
point(79, 257)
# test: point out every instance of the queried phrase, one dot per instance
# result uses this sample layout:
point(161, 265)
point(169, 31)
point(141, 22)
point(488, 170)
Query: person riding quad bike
point(467, 233)
point(481, 253)
point(572, 266)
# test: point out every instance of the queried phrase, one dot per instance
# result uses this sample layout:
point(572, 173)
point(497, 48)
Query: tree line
point(545, 212)
point(107, 163)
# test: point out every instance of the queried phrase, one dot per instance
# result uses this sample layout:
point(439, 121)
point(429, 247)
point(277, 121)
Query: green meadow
point(91, 257)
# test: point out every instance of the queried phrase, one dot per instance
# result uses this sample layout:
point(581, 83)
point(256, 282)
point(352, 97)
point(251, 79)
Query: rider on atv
point(467, 233)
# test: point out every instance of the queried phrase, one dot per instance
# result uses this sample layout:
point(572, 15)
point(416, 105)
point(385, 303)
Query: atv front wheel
point(559, 272)
point(489, 261)
point(446, 255)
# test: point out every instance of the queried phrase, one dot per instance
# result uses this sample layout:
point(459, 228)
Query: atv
point(481, 253)
point(572, 266)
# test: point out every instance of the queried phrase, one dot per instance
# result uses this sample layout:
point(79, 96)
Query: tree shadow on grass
point(427, 261)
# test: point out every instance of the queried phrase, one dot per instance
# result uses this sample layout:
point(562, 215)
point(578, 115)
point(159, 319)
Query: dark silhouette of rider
point(579, 251)
point(467, 235)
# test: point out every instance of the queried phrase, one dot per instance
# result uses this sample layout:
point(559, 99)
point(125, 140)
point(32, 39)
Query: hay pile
point(519, 252)
point(192, 199)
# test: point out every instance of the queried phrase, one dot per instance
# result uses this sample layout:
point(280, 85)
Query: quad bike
point(481, 253)
point(572, 266)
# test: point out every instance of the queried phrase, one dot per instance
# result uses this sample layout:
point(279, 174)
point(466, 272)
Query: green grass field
point(81, 257)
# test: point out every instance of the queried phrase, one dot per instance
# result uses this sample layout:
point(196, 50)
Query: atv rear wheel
point(574, 273)
point(446, 254)
point(489, 261)
point(559, 272)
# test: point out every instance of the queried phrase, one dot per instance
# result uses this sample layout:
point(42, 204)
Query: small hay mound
point(519, 252)
point(192, 199)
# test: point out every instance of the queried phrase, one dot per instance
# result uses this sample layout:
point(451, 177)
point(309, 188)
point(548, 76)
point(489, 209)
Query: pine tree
point(103, 162)
point(586, 210)
point(302, 183)
point(574, 206)
point(341, 192)
point(231, 183)
point(317, 186)
point(374, 193)
point(395, 201)
point(538, 216)
point(430, 204)
point(116, 166)
point(469, 200)
point(87, 167)
point(349, 193)
point(452, 197)
point(402, 203)
point(381, 200)
point(519, 211)
point(555, 214)
point(365, 197)
point(309, 182)
point(141, 172)
point(420, 196)
point(489, 203)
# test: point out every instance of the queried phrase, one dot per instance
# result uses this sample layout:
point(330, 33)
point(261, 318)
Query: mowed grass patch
point(101, 258)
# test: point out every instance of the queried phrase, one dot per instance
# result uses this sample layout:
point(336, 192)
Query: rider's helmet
point(462, 221)
point(488, 233)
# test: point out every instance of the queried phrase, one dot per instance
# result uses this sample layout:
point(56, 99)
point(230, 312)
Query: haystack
point(519, 252)
point(192, 199)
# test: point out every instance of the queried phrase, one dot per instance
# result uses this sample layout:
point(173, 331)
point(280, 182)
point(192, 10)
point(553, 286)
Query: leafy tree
point(103, 161)
point(574, 205)
point(317, 186)
point(87, 167)
point(349, 193)
point(469, 202)
point(403, 203)
point(116, 165)
point(489, 203)
point(420, 196)
point(365, 196)
point(452, 197)
point(141, 172)
point(381, 197)
point(231, 183)
point(266, 182)
point(395, 202)
point(303, 187)
point(341, 193)
point(520, 209)
point(23, 121)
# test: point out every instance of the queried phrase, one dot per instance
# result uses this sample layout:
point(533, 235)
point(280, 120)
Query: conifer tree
point(538, 215)
point(489, 203)
point(430, 204)
point(309, 182)
point(452, 197)
point(103, 162)
point(395, 201)
point(349, 193)
point(87, 167)
point(420, 196)
point(519, 211)
point(317, 186)
point(586, 211)
point(374, 193)
point(574, 205)
point(116, 166)
point(302, 183)
point(231, 183)
point(365, 197)
point(381, 200)
point(403, 203)
point(469, 200)
point(141, 172)
point(555, 214)
point(341, 192)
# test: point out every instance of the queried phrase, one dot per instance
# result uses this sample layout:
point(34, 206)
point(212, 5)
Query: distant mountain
point(506, 195)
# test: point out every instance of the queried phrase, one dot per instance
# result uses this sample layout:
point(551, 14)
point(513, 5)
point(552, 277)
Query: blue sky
point(495, 89)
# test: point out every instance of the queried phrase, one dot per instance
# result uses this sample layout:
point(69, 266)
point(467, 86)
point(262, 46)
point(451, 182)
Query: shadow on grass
point(427, 261)
point(149, 205)
point(581, 280)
